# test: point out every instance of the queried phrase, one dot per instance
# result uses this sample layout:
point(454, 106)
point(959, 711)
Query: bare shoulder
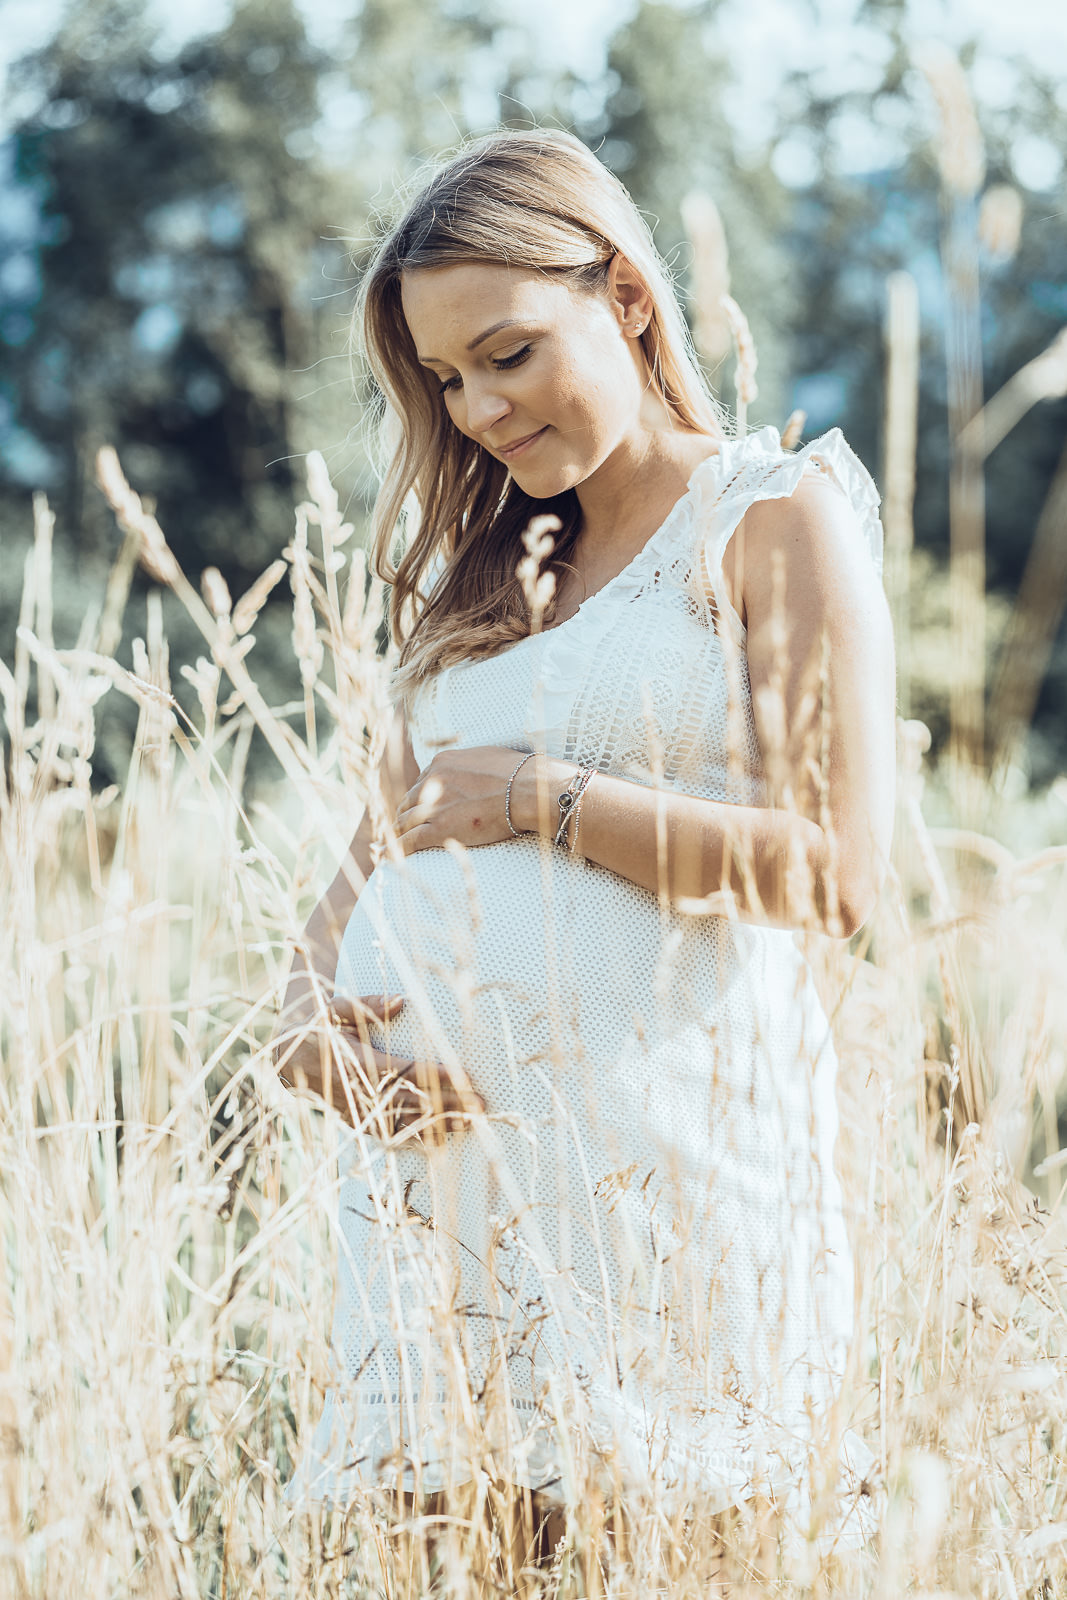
point(814, 538)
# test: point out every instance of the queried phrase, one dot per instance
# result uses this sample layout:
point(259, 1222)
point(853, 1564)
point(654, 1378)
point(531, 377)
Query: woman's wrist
point(544, 774)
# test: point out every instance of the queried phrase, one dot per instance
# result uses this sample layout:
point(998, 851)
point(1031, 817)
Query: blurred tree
point(179, 223)
point(180, 234)
point(663, 128)
point(867, 202)
point(179, 240)
point(196, 222)
point(427, 74)
point(386, 109)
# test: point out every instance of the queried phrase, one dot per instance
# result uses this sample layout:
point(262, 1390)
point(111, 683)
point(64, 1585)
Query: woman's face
point(546, 377)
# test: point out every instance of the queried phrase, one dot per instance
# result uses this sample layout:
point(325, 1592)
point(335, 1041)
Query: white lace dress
point(636, 1261)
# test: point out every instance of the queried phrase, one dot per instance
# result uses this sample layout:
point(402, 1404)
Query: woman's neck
point(631, 494)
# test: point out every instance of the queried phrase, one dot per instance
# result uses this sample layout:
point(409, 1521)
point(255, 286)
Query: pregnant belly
point(518, 961)
point(559, 985)
point(635, 1065)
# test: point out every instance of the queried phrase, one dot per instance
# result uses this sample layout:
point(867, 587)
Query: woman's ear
point(629, 296)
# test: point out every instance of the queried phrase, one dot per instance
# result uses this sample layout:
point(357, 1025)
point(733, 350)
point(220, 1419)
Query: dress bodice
point(648, 679)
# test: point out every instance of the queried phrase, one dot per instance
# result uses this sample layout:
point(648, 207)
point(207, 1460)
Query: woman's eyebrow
point(508, 322)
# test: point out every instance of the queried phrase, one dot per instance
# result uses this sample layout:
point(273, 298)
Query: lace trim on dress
point(697, 529)
point(394, 1398)
point(757, 468)
point(720, 490)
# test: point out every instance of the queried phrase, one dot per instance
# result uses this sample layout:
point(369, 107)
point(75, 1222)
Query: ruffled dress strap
point(757, 468)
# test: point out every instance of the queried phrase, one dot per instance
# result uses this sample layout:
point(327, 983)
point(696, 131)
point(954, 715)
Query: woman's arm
point(321, 1041)
point(317, 949)
point(821, 669)
point(820, 661)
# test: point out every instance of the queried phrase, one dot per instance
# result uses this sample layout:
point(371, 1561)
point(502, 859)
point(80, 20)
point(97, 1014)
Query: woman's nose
point(485, 408)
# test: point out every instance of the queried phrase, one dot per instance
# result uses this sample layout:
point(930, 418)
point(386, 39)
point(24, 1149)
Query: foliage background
point(183, 217)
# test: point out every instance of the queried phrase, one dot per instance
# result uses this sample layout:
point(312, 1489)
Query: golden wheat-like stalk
point(901, 439)
point(961, 160)
point(747, 361)
point(793, 431)
point(710, 275)
point(1000, 221)
point(168, 1243)
point(1043, 378)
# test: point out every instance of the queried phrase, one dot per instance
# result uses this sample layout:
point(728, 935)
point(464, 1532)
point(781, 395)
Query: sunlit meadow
point(169, 1210)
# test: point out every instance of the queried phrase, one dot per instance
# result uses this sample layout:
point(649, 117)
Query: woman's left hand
point(460, 795)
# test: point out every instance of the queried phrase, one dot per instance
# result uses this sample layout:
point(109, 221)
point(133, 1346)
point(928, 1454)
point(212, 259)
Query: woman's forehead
point(461, 282)
point(467, 297)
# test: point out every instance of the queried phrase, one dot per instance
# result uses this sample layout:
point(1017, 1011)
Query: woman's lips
point(509, 452)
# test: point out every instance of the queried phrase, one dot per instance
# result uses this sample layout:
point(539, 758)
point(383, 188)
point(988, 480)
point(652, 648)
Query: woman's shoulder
point(754, 475)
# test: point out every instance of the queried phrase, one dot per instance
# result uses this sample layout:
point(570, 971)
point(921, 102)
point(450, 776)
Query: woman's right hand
point(338, 1064)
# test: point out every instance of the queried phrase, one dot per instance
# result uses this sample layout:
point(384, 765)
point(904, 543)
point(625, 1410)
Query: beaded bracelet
point(569, 799)
point(577, 825)
point(569, 802)
point(507, 796)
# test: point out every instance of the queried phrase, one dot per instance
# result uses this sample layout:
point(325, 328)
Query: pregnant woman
point(591, 1232)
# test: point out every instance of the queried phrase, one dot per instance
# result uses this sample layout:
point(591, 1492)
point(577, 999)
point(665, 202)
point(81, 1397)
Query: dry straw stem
point(169, 1212)
point(1043, 378)
point(307, 645)
point(961, 160)
point(256, 596)
point(1000, 221)
point(216, 592)
point(538, 586)
point(1033, 625)
point(793, 431)
point(155, 554)
point(710, 275)
point(917, 849)
point(323, 510)
point(43, 525)
point(901, 437)
point(959, 144)
point(747, 361)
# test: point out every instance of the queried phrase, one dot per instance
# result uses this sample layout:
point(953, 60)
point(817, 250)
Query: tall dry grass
point(169, 1212)
point(168, 1209)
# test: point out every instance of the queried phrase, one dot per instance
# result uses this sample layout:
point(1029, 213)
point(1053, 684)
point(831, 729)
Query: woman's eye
point(513, 361)
point(501, 363)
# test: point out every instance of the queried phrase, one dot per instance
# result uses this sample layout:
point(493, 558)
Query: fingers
point(302, 1060)
point(368, 1008)
point(423, 1101)
point(437, 1091)
point(408, 1099)
point(422, 808)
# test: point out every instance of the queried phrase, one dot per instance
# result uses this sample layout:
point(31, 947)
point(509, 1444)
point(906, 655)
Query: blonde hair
point(538, 200)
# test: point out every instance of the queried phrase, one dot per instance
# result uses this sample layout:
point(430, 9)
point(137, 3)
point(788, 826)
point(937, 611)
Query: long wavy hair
point(538, 200)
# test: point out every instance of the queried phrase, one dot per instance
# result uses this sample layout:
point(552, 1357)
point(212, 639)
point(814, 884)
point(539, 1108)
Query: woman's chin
point(544, 483)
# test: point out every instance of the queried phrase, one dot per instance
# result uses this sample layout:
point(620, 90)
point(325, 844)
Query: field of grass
point(168, 1209)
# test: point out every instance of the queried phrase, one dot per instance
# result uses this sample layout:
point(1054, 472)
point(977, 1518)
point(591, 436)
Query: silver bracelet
point(507, 796)
point(578, 811)
point(570, 798)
